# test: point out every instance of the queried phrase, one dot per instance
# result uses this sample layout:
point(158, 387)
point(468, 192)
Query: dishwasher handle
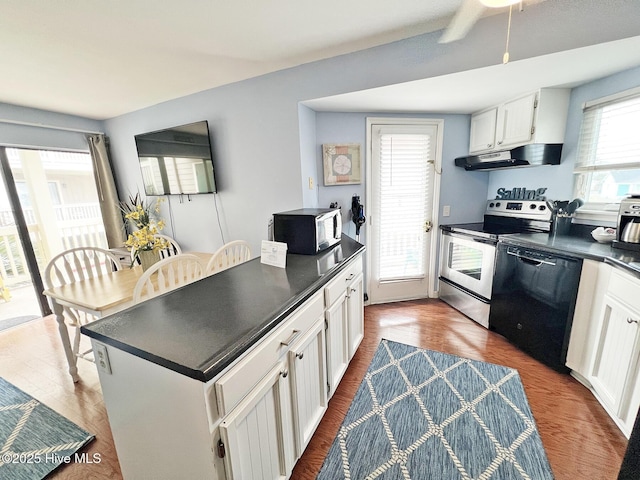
point(533, 261)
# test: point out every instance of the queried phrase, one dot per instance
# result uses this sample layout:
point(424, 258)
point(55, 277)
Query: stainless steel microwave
point(308, 230)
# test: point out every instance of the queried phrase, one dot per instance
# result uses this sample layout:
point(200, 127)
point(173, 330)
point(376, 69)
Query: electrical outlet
point(310, 183)
point(446, 210)
point(102, 357)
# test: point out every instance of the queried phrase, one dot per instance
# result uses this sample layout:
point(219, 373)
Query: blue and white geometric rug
point(420, 414)
point(34, 440)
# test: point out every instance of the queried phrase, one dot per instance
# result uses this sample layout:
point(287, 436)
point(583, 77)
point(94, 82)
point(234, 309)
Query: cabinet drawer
point(338, 286)
point(250, 369)
point(625, 288)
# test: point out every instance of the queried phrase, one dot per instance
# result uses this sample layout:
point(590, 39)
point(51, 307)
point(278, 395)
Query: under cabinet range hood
point(525, 156)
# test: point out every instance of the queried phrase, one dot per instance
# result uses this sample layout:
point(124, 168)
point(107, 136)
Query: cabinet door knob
point(350, 277)
point(489, 145)
point(300, 355)
point(284, 373)
point(631, 320)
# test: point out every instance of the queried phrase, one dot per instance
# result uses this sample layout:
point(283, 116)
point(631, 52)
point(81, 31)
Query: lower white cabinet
point(345, 320)
point(614, 367)
point(337, 350)
point(307, 367)
point(355, 314)
point(257, 435)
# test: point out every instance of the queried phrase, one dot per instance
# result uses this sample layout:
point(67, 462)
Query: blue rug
point(420, 414)
point(34, 440)
point(14, 322)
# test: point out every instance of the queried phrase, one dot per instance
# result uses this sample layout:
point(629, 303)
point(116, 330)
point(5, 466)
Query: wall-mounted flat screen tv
point(177, 161)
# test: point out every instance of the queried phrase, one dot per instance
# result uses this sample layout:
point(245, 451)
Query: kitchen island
point(201, 382)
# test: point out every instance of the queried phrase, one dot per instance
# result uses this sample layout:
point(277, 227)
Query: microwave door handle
point(336, 227)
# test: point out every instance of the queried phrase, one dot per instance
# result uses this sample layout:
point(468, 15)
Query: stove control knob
point(532, 206)
point(542, 207)
point(491, 205)
point(498, 204)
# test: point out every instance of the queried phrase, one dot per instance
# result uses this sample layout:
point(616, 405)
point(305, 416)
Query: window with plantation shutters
point(608, 163)
point(404, 181)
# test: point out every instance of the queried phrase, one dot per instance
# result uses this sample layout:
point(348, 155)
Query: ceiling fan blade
point(464, 19)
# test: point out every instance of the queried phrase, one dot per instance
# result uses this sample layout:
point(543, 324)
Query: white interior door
point(404, 159)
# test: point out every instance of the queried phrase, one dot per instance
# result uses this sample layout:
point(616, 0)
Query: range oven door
point(468, 262)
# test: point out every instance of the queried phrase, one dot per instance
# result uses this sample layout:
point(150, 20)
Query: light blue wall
point(308, 157)
point(28, 130)
point(463, 191)
point(559, 178)
point(255, 124)
point(261, 136)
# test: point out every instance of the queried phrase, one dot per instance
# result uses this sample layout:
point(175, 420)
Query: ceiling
point(100, 59)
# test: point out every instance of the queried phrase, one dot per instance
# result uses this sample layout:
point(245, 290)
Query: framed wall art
point(342, 165)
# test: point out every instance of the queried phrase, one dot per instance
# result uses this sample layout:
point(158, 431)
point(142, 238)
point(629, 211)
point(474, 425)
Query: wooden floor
point(581, 441)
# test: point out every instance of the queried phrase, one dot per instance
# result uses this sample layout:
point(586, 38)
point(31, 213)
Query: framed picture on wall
point(342, 165)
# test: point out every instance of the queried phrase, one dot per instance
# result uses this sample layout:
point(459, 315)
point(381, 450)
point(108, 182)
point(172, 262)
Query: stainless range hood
point(525, 156)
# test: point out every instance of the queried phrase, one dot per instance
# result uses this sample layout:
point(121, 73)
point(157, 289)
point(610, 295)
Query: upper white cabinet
point(538, 117)
point(483, 130)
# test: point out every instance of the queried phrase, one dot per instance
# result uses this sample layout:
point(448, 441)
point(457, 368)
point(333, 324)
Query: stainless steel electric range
point(468, 252)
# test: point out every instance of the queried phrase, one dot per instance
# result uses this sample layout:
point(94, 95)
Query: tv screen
point(177, 160)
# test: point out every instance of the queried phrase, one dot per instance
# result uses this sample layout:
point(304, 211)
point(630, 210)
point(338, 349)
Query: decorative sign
point(341, 164)
point(274, 253)
point(520, 194)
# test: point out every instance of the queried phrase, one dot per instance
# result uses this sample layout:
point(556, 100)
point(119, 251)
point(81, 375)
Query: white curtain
point(107, 193)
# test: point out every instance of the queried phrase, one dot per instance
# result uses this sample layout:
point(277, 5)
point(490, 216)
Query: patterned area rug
point(420, 414)
point(34, 439)
point(14, 322)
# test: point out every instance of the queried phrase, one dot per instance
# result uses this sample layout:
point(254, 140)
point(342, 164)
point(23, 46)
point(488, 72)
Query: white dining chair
point(230, 254)
point(167, 275)
point(172, 249)
point(72, 266)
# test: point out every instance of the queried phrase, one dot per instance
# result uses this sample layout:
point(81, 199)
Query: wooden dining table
point(97, 296)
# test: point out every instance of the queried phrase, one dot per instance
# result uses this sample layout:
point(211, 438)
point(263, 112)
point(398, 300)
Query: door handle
point(428, 226)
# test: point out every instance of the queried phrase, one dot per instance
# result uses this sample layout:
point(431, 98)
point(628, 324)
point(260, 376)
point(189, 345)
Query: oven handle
point(534, 261)
point(466, 236)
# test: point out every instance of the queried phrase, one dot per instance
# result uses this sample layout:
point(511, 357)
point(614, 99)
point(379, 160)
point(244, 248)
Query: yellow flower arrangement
point(143, 215)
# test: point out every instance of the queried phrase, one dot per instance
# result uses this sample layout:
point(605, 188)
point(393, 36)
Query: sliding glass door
point(48, 204)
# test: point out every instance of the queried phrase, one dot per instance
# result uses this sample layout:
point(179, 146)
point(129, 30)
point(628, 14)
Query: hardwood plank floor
point(581, 441)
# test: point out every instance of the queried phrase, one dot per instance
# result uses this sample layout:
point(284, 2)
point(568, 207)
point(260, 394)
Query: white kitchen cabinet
point(614, 369)
point(355, 314)
point(258, 434)
point(307, 366)
point(537, 117)
point(514, 123)
point(594, 280)
point(482, 135)
point(345, 320)
point(337, 347)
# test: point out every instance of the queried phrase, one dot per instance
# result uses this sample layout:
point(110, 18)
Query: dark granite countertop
point(201, 328)
point(579, 246)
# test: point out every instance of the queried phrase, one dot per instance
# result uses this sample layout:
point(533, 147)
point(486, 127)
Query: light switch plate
point(102, 357)
point(446, 210)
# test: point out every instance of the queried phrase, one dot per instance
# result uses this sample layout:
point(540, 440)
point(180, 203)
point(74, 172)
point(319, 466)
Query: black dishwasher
point(533, 300)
